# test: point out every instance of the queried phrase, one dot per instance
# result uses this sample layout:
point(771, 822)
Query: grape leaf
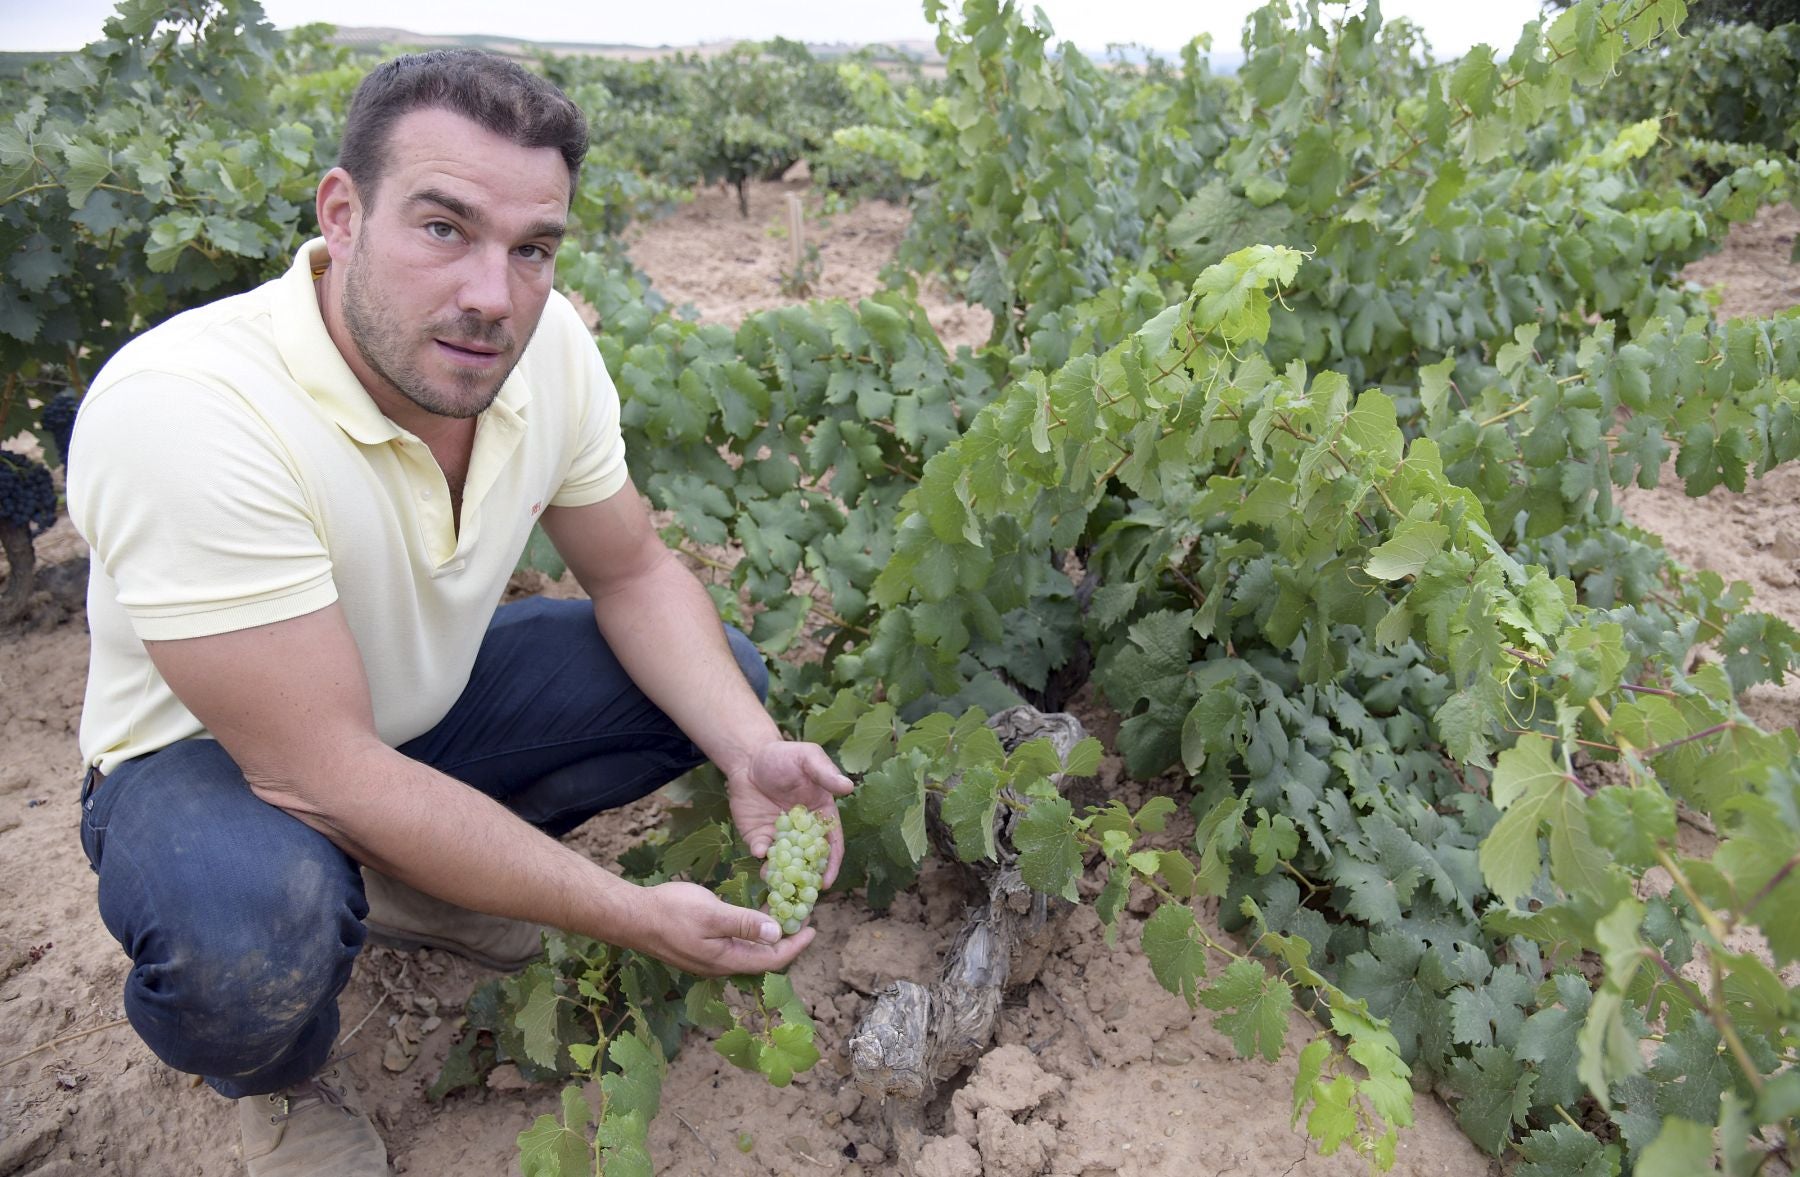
point(739, 1047)
point(1049, 857)
point(1681, 1149)
point(1403, 980)
point(1273, 840)
point(1216, 836)
point(1406, 553)
point(1332, 1120)
point(1631, 823)
point(869, 739)
point(789, 1051)
point(700, 853)
point(559, 1148)
point(1253, 1007)
point(1465, 728)
point(832, 723)
point(1492, 1012)
point(1532, 790)
point(537, 1020)
point(1111, 899)
point(969, 810)
point(1692, 1071)
point(1084, 758)
point(1549, 1039)
point(1496, 1094)
point(625, 1146)
point(637, 1085)
point(1374, 894)
point(1609, 1047)
point(1566, 1151)
point(1176, 953)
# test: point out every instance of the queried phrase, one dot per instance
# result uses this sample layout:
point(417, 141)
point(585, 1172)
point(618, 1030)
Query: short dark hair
point(500, 95)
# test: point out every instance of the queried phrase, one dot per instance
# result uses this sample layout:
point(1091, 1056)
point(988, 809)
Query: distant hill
point(920, 52)
point(373, 40)
point(14, 62)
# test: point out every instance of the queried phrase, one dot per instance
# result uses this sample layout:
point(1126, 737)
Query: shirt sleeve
point(194, 509)
point(597, 470)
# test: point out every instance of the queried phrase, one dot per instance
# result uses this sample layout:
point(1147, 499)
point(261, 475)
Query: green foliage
point(1703, 15)
point(607, 1020)
point(1727, 84)
point(750, 112)
point(1274, 520)
point(1371, 627)
point(164, 165)
point(783, 450)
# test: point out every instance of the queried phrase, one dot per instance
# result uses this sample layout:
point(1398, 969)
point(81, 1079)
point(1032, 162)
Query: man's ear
point(339, 208)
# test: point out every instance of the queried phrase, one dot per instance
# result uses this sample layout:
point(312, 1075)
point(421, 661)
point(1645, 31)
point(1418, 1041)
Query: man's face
point(451, 262)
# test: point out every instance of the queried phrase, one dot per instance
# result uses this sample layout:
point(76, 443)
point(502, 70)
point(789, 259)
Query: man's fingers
point(741, 923)
point(834, 838)
point(744, 956)
point(825, 774)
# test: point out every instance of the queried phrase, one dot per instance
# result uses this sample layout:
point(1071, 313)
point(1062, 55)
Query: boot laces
point(327, 1087)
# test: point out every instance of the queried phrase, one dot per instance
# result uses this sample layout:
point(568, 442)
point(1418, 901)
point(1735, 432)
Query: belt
point(89, 783)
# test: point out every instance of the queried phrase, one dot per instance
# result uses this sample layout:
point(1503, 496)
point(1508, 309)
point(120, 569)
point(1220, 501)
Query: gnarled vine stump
point(917, 1035)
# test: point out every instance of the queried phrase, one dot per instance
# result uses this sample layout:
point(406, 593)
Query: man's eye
point(442, 230)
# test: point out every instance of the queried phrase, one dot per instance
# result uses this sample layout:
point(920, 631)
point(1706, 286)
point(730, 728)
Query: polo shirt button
point(425, 494)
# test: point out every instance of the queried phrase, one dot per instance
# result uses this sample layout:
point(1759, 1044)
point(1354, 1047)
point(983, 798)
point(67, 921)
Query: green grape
point(796, 867)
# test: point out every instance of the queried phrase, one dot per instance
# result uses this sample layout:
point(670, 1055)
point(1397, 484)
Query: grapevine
point(1239, 513)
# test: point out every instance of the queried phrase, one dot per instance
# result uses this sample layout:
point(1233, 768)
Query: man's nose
point(487, 284)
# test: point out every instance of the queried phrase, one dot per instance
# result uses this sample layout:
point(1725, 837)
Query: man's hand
point(697, 932)
point(780, 775)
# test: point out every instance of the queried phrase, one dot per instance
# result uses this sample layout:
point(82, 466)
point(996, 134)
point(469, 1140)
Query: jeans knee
point(750, 661)
point(226, 996)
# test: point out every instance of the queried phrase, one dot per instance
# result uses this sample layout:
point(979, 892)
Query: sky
point(1451, 25)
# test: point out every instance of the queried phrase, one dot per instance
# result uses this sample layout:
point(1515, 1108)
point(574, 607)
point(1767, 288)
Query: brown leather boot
point(313, 1129)
point(405, 918)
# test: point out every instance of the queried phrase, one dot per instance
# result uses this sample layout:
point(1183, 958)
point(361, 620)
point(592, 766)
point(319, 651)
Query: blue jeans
point(241, 921)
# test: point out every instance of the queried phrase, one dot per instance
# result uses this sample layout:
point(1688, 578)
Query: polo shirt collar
point(315, 363)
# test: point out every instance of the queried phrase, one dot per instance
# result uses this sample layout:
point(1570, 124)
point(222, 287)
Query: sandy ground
point(1097, 1070)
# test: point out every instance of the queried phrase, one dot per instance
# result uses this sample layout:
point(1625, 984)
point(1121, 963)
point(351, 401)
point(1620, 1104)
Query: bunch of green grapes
point(796, 866)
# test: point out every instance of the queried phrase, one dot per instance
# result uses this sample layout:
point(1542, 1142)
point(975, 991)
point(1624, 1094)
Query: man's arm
point(666, 633)
point(290, 702)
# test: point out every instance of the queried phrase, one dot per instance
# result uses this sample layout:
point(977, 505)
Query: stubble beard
point(386, 347)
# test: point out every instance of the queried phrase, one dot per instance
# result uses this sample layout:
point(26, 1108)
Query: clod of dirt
point(948, 1156)
point(506, 1077)
point(1009, 1079)
point(1010, 1149)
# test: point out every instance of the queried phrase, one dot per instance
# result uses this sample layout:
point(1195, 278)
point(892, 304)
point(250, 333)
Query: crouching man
point(307, 725)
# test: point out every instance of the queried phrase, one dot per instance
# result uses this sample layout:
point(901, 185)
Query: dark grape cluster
point(59, 422)
point(27, 496)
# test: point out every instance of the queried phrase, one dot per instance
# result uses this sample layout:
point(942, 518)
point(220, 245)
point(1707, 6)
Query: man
point(303, 504)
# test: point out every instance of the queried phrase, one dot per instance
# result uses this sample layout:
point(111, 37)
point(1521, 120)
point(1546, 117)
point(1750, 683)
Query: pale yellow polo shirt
point(230, 471)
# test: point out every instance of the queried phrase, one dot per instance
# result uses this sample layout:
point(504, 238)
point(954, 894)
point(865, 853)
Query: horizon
point(1161, 26)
